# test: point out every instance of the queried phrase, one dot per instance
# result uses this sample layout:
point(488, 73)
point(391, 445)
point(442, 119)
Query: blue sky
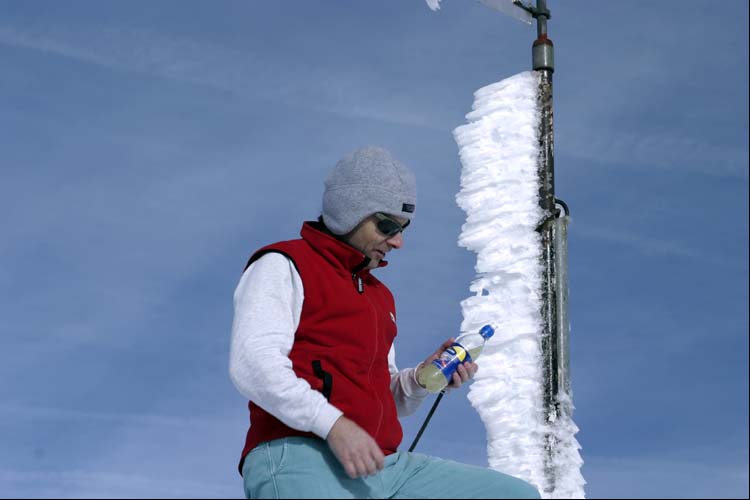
point(146, 149)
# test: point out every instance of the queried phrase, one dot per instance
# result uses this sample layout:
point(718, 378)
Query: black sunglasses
point(389, 226)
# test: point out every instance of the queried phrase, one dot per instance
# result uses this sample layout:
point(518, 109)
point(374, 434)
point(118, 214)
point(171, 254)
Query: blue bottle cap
point(487, 331)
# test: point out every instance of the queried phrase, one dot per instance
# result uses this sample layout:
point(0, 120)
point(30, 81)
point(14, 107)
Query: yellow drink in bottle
point(466, 348)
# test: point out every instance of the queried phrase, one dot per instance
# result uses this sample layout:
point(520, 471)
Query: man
point(312, 349)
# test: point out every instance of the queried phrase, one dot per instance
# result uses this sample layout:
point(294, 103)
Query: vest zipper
point(361, 289)
point(372, 362)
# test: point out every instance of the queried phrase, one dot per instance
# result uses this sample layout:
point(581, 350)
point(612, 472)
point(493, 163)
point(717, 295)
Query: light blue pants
point(300, 467)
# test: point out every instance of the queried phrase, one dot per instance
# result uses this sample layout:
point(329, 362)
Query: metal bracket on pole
point(543, 55)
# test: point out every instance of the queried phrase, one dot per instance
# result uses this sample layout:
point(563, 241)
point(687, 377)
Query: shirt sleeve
point(406, 391)
point(267, 309)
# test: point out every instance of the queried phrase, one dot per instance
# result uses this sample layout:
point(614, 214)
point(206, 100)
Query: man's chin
point(375, 261)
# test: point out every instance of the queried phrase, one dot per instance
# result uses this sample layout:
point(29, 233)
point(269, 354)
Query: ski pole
point(427, 420)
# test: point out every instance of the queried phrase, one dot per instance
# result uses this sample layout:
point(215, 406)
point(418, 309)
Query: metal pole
point(543, 61)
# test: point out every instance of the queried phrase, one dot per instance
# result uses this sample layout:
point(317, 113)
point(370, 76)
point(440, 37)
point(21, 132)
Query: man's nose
point(396, 241)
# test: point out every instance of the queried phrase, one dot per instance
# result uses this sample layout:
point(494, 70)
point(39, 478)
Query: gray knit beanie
point(366, 181)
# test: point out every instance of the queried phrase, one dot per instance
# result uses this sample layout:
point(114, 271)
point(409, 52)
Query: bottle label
point(453, 356)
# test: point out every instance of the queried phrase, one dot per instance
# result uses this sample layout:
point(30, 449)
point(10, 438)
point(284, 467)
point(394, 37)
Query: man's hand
point(464, 372)
point(355, 448)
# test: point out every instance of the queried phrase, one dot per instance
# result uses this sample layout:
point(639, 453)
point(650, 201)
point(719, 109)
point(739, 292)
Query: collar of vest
point(335, 251)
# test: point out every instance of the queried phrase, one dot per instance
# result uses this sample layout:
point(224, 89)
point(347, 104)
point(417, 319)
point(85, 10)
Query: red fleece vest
point(341, 346)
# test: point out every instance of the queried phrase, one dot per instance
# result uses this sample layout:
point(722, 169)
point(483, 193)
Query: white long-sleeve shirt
point(267, 309)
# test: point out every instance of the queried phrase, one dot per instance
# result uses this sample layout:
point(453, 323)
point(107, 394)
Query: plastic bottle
point(465, 348)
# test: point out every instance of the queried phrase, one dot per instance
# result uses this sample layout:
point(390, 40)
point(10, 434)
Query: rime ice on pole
point(499, 151)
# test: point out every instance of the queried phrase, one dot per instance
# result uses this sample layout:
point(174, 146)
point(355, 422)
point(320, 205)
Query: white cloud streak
point(83, 484)
point(631, 149)
point(19, 412)
point(323, 89)
point(652, 246)
point(655, 478)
